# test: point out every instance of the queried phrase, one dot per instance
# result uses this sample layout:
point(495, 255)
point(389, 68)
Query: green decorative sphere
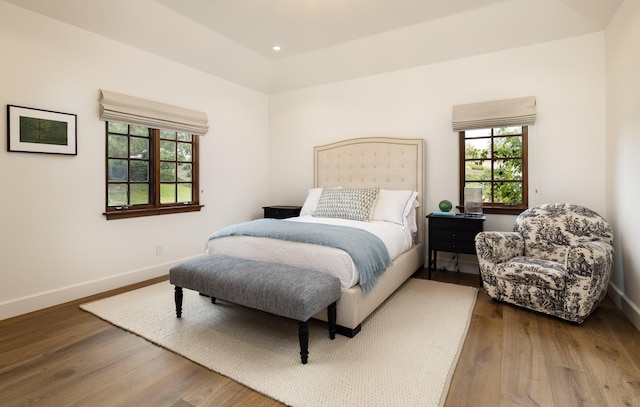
point(445, 206)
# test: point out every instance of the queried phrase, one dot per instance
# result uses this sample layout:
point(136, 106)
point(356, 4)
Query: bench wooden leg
point(213, 299)
point(303, 335)
point(331, 316)
point(178, 297)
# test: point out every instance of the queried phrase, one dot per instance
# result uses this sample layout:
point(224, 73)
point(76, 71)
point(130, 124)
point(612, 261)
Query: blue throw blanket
point(368, 252)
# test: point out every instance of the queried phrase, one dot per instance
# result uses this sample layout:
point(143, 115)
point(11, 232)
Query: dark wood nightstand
point(455, 234)
point(281, 211)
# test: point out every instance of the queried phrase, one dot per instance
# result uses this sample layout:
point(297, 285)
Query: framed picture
point(41, 131)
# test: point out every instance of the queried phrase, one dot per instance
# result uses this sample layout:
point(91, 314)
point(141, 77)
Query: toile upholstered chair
point(557, 261)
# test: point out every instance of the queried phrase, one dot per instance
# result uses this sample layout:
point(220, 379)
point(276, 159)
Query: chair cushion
point(533, 272)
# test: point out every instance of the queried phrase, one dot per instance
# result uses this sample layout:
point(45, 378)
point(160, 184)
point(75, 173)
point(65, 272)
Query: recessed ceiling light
point(276, 48)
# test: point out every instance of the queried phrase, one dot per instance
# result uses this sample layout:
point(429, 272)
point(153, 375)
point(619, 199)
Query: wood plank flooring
point(64, 356)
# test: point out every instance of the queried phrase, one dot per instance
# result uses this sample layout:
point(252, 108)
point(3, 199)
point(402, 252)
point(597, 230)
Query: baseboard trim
point(629, 309)
point(35, 302)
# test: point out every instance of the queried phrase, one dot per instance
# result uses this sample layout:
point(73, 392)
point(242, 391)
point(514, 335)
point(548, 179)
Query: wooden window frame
point(154, 207)
point(492, 207)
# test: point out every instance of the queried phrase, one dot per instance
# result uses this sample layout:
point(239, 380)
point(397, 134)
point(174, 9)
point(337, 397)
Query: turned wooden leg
point(331, 316)
point(178, 297)
point(303, 335)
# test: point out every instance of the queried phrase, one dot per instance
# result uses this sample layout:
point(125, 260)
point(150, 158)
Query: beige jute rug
point(405, 354)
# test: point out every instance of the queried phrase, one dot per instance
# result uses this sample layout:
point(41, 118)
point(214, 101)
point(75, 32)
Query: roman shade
point(134, 110)
point(496, 113)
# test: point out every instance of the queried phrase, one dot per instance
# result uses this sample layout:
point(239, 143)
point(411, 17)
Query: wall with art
point(56, 243)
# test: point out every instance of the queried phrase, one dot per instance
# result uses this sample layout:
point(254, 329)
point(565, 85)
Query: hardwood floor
point(512, 357)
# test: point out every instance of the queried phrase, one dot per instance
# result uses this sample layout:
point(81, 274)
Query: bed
point(393, 166)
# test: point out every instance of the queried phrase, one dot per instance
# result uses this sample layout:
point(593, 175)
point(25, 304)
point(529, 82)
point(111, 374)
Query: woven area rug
point(405, 354)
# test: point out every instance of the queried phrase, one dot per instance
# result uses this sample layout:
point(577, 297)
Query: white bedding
point(332, 261)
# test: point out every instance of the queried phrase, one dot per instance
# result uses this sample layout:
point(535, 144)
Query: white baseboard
point(629, 309)
point(35, 302)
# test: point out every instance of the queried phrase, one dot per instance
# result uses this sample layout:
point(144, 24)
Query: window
point(150, 171)
point(496, 160)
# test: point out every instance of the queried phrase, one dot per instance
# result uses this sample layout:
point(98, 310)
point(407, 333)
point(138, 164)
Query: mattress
point(396, 238)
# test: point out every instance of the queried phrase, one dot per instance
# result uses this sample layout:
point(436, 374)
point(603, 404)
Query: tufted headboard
point(388, 163)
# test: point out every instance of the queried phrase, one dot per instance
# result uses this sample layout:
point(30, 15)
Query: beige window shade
point(497, 113)
point(133, 110)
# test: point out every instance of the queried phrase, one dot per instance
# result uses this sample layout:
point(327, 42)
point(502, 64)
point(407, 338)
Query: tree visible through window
point(496, 160)
point(150, 171)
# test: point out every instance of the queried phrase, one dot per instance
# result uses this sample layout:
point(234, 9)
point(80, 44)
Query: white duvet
point(328, 260)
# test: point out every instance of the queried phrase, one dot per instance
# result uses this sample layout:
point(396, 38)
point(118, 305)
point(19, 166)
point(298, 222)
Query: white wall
point(56, 245)
point(566, 146)
point(623, 146)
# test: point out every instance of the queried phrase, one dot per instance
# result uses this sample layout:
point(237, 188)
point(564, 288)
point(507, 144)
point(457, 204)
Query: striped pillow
point(347, 203)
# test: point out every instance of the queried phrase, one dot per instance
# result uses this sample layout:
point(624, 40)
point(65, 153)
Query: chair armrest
point(589, 259)
point(499, 247)
point(589, 266)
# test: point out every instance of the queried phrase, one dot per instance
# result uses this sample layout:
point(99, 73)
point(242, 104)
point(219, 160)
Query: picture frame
point(31, 130)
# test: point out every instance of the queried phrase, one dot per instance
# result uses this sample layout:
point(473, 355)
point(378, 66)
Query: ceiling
point(302, 26)
point(324, 40)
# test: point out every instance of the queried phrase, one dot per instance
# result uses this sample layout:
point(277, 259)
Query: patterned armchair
point(557, 260)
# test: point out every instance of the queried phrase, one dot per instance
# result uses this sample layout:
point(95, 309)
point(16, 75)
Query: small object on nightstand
point(281, 211)
point(440, 213)
point(445, 205)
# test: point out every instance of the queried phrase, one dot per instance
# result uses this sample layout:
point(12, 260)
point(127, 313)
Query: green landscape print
point(43, 131)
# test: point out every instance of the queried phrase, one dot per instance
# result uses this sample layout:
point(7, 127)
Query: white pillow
point(394, 205)
point(311, 203)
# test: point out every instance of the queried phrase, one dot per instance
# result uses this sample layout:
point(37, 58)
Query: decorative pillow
point(394, 205)
point(311, 202)
point(347, 203)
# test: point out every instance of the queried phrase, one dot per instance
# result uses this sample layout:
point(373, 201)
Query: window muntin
point(150, 171)
point(496, 160)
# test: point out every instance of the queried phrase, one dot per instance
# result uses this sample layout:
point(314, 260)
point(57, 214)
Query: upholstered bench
point(279, 289)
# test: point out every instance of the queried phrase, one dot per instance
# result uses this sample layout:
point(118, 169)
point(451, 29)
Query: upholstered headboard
point(388, 163)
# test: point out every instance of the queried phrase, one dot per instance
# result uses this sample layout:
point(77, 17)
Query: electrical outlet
point(158, 249)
